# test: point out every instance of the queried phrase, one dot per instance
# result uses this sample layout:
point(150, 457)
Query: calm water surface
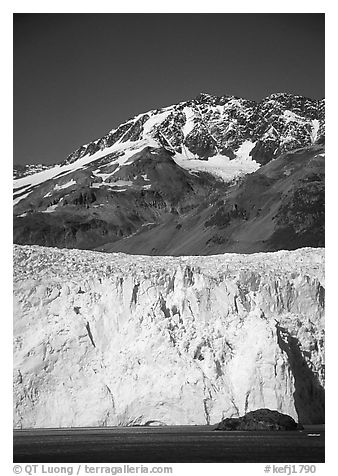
point(171, 444)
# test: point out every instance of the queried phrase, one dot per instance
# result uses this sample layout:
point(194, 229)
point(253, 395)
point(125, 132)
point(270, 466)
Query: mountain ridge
point(299, 103)
point(169, 167)
point(202, 97)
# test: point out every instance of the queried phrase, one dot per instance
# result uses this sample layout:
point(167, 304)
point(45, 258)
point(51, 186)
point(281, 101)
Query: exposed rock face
point(262, 419)
point(112, 339)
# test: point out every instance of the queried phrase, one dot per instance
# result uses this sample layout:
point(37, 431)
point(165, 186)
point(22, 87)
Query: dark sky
point(76, 76)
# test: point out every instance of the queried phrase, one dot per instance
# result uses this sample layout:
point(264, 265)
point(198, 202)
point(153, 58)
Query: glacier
point(114, 339)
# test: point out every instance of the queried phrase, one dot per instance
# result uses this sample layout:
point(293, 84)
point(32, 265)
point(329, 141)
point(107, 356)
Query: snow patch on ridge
point(189, 123)
point(50, 209)
point(315, 129)
point(290, 116)
point(65, 185)
point(118, 183)
point(154, 120)
point(17, 199)
point(243, 153)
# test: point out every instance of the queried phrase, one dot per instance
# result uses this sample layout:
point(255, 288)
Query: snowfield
point(114, 339)
point(219, 165)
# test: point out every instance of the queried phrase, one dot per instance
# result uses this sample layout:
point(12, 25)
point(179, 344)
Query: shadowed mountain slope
point(280, 206)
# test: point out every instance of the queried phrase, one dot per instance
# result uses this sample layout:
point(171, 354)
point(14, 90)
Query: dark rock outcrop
point(262, 419)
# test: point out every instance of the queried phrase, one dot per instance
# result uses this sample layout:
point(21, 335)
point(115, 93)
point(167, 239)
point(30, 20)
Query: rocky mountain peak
point(158, 166)
point(204, 97)
point(210, 126)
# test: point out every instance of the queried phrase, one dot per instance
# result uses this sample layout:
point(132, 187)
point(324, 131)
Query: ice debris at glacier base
point(114, 339)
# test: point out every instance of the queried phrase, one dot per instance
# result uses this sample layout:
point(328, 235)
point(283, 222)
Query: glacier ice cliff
point(113, 339)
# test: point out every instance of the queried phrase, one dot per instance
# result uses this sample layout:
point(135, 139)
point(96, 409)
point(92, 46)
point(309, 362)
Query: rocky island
point(262, 419)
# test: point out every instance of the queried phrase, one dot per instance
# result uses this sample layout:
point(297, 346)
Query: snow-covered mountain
point(114, 339)
point(226, 126)
point(158, 167)
point(111, 339)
